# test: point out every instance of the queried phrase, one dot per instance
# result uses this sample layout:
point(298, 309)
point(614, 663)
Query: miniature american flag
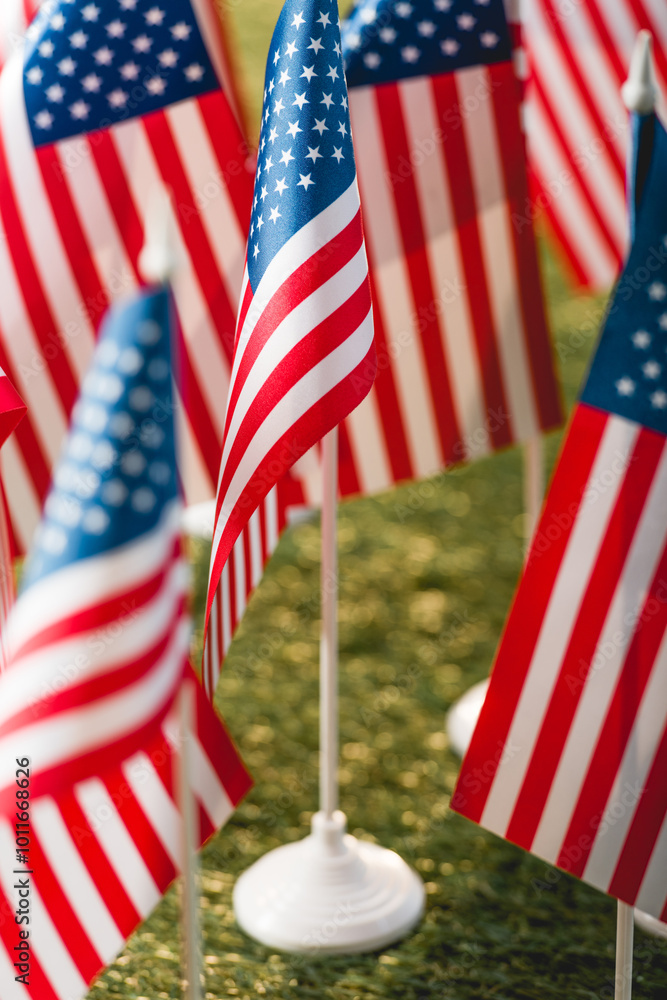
point(98, 653)
point(464, 362)
point(304, 355)
point(569, 757)
point(107, 102)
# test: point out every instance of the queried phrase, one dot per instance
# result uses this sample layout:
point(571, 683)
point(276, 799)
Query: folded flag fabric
point(569, 757)
point(12, 410)
point(106, 103)
point(464, 362)
point(98, 654)
point(303, 356)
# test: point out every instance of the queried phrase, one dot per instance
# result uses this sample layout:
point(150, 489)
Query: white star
point(426, 29)
point(449, 47)
point(625, 386)
point(337, 49)
point(658, 399)
point(287, 157)
point(481, 3)
point(313, 154)
point(130, 71)
point(293, 129)
point(142, 43)
point(260, 223)
point(641, 338)
point(284, 77)
point(278, 106)
point(181, 31)
point(298, 21)
point(657, 291)
point(300, 99)
point(103, 56)
point(90, 12)
point(271, 86)
point(662, 321)
point(466, 22)
point(156, 86)
point(404, 9)
point(652, 369)
point(353, 40)
point(344, 102)
point(67, 66)
point(154, 16)
point(57, 22)
point(268, 165)
point(281, 186)
point(327, 99)
point(489, 39)
point(372, 60)
point(291, 49)
point(35, 75)
point(255, 251)
point(333, 73)
point(116, 29)
point(410, 54)
point(194, 72)
point(46, 49)
point(319, 126)
point(275, 215)
point(264, 193)
point(323, 19)
point(276, 56)
point(79, 110)
point(168, 58)
point(273, 135)
point(92, 83)
point(305, 181)
point(309, 72)
point(118, 98)
point(44, 119)
point(55, 93)
point(338, 154)
point(342, 128)
point(442, 4)
point(388, 35)
point(78, 40)
point(316, 44)
point(128, 4)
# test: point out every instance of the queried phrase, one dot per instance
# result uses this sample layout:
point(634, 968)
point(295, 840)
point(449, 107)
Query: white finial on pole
point(159, 258)
point(639, 92)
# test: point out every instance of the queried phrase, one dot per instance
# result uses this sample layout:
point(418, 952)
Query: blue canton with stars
point(305, 159)
point(388, 40)
point(90, 65)
point(118, 467)
point(628, 374)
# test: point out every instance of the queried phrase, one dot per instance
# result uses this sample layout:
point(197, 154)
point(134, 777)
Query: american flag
point(15, 16)
point(579, 56)
point(464, 360)
point(569, 758)
point(12, 410)
point(304, 354)
point(98, 645)
point(109, 101)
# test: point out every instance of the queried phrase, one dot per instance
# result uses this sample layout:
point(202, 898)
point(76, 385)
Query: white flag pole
point(329, 629)
point(625, 926)
point(533, 484)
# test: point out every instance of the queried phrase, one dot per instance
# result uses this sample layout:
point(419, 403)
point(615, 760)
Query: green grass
point(427, 575)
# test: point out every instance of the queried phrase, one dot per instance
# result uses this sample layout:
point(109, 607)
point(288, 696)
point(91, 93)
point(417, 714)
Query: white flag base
point(463, 715)
point(650, 925)
point(329, 894)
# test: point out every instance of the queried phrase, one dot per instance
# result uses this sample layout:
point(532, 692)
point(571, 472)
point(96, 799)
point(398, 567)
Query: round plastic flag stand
point(462, 717)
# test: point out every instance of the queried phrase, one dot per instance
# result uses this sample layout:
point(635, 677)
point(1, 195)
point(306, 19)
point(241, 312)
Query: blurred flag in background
point(12, 410)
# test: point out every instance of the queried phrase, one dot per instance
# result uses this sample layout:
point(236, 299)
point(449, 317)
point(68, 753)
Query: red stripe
point(245, 305)
point(198, 413)
point(607, 43)
point(467, 232)
point(232, 154)
point(529, 607)
point(119, 194)
point(220, 750)
point(406, 201)
point(40, 988)
point(567, 251)
point(143, 834)
point(348, 483)
point(581, 649)
point(536, 343)
point(28, 437)
point(644, 20)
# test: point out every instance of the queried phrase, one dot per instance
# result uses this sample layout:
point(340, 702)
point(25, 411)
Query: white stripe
point(621, 25)
point(652, 897)
point(581, 228)
point(625, 795)
point(197, 483)
point(72, 733)
point(48, 947)
point(498, 250)
point(207, 786)
point(210, 24)
point(76, 660)
point(94, 214)
point(226, 609)
point(212, 650)
point(88, 581)
point(116, 842)
point(39, 223)
point(271, 508)
point(159, 807)
point(144, 177)
point(394, 298)
point(255, 539)
point(615, 636)
point(11, 990)
point(74, 879)
point(454, 319)
point(239, 576)
point(206, 179)
point(369, 447)
point(569, 588)
point(321, 379)
point(295, 327)
point(24, 504)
